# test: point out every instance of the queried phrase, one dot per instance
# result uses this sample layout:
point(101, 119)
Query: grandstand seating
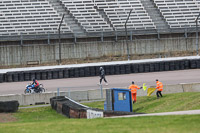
point(85, 13)
point(29, 17)
point(32, 17)
point(179, 13)
point(118, 11)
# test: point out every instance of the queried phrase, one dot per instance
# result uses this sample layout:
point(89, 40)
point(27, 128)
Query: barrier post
point(101, 91)
point(58, 92)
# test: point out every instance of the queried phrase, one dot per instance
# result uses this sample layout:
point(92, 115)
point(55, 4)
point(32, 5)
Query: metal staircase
point(68, 19)
point(156, 16)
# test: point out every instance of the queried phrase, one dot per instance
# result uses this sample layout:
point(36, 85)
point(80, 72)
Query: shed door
point(122, 101)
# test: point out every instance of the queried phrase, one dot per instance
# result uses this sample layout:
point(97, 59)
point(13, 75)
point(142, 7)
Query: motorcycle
point(30, 89)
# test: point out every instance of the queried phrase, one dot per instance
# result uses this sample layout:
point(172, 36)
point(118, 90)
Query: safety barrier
point(89, 95)
point(110, 69)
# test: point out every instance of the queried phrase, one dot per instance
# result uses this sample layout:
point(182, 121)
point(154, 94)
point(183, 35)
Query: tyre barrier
point(72, 109)
point(32, 75)
point(15, 77)
point(60, 73)
point(9, 106)
point(67, 107)
point(94, 70)
point(44, 75)
point(117, 70)
point(38, 75)
point(49, 74)
point(21, 76)
point(1, 78)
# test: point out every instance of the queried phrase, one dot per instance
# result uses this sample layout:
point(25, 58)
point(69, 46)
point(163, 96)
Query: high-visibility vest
point(133, 88)
point(159, 86)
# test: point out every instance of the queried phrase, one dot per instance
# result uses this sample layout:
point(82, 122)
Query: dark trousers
point(102, 78)
point(158, 93)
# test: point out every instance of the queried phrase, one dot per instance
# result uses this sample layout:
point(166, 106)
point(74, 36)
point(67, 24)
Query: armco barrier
point(31, 99)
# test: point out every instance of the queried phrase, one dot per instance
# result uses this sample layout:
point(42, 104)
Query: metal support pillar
point(197, 36)
point(59, 40)
point(127, 35)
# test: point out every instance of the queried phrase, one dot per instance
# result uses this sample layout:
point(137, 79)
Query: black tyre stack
point(182, 65)
point(107, 70)
point(66, 73)
point(9, 106)
point(9, 77)
point(147, 67)
point(127, 68)
point(49, 74)
point(21, 76)
point(193, 64)
point(15, 77)
point(81, 72)
point(55, 74)
point(122, 69)
point(44, 75)
point(1, 78)
point(92, 71)
point(117, 69)
point(134, 68)
point(177, 65)
point(156, 66)
point(60, 73)
point(141, 68)
point(171, 66)
point(187, 64)
point(87, 71)
point(32, 75)
point(38, 75)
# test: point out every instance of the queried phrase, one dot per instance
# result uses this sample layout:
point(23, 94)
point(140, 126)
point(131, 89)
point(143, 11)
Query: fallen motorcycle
point(30, 89)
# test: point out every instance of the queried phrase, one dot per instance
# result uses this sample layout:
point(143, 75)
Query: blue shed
point(118, 100)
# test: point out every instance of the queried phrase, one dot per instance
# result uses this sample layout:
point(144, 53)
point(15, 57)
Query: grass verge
point(46, 120)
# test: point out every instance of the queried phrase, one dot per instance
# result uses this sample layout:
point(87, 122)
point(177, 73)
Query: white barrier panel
point(91, 114)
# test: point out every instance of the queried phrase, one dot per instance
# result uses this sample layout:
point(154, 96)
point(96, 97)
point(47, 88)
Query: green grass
point(46, 120)
point(168, 103)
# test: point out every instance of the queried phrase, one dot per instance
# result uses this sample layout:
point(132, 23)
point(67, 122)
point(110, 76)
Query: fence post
point(101, 36)
point(48, 38)
point(21, 39)
point(58, 92)
point(116, 36)
point(101, 91)
point(131, 35)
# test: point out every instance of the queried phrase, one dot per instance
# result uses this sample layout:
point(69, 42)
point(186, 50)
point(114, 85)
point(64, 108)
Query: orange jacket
point(133, 88)
point(159, 85)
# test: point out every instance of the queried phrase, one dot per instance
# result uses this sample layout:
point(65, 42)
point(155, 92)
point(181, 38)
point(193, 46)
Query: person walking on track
point(102, 76)
point(159, 86)
point(133, 89)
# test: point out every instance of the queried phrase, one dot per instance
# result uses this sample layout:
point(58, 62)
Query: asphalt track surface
point(115, 81)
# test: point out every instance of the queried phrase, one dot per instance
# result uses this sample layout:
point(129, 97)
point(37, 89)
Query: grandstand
point(88, 24)
point(85, 18)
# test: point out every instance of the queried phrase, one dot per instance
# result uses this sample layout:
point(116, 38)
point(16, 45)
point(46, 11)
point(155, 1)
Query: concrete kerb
point(194, 87)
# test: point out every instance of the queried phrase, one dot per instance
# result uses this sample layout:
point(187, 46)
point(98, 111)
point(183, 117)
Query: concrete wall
point(89, 95)
point(20, 54)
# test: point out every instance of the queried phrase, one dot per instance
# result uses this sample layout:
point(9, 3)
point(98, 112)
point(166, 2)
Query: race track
point(118, 81)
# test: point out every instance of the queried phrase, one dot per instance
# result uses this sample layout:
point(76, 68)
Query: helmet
point(156, 79)
point(33, 80)
point(132, 82)
point(101, 68)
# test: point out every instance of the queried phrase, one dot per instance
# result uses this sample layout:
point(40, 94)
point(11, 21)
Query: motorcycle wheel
point(26, 91)
point(42, 90)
